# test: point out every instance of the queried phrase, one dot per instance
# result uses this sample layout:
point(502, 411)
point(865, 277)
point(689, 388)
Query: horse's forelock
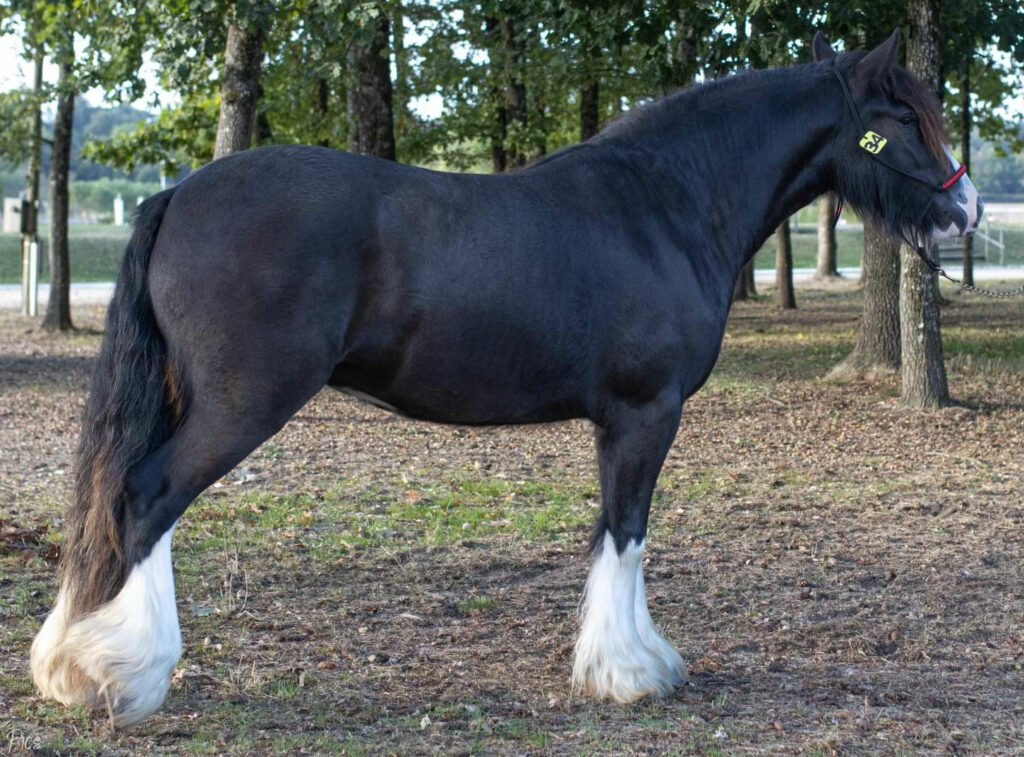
point(904, 88)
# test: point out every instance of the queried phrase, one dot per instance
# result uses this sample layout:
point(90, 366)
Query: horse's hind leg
point(120, 656)
point(619, 653)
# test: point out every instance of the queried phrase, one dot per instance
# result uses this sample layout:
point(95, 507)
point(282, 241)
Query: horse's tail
point(135, 401)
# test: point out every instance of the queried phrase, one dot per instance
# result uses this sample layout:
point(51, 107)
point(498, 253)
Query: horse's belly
point(450, 390)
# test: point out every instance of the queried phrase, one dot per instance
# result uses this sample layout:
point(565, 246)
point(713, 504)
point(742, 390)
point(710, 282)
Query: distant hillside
point(90, 123)
point(100, 123)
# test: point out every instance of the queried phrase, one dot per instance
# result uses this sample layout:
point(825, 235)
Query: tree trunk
point(744, 288)
point(923, 370)
point(370, 114)
point(499, 157)
point(400, 90)
point(239, 90)
point(590, 115)
point(877, 350)
point(540, 144)
point(58, 309)
point(499, 127)
point(965, 149)
point(515, 96)
point(30, 225)
point(263, 134)
point(684, 55)
point(827, 267)
point(323, 93)
point(784, 267)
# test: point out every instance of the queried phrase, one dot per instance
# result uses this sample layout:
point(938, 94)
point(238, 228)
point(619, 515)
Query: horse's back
point(461, 298)
point(256, 263)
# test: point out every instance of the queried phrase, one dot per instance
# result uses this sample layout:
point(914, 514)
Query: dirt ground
point(842, 575)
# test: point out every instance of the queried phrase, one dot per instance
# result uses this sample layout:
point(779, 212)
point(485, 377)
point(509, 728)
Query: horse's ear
point(822, 49)
point(881, 60)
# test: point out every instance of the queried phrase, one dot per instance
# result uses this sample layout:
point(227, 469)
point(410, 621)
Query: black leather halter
point(873, 143)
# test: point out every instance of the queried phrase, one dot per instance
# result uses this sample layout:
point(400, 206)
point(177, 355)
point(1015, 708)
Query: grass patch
point(997, 348)
point(750, 358)
point(473, 508)
point(476, 605)
point(395, 515)
point(849, 247)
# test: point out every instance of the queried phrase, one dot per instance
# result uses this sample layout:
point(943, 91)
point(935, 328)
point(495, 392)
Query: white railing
point(987, 235)
point(983, 239)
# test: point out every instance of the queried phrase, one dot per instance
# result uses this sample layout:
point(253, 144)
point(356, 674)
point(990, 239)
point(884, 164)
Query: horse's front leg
point(619, 653)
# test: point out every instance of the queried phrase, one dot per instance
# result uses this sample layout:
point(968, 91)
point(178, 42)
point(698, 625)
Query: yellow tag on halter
point(873, 142)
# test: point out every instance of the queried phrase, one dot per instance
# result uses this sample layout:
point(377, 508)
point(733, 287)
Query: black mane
point(656, 115)
point(660, 117)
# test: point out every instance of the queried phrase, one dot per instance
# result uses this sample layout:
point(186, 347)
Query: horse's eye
point(908, 119)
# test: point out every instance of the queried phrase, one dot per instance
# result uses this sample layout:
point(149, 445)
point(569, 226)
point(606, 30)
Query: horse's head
point(891, 158)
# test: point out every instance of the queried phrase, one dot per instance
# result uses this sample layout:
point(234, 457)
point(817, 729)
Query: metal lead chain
point(977, 290)
point(936, 268)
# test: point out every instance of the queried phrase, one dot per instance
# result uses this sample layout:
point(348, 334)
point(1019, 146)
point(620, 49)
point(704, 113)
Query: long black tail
point(132, 408)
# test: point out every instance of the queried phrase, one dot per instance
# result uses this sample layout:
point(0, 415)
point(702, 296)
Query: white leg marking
point(123, 652)
point(619, 653)
point(654, 641)
point(51, 679)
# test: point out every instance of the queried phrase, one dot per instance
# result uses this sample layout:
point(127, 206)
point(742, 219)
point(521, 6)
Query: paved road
point(92, 293)
point(98, 293)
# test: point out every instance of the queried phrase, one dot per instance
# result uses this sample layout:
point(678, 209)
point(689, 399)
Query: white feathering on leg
point(50, 677)
point(675, 668)
point(619, 653)
point(122, 653)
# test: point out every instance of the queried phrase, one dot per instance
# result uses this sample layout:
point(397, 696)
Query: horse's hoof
point(624, 678)
point(652, 678)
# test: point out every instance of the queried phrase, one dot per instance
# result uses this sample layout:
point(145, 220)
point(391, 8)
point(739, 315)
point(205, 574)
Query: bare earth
point(842, 575)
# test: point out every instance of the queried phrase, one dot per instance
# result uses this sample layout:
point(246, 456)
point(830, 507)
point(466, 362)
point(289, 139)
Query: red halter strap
point(957, 175)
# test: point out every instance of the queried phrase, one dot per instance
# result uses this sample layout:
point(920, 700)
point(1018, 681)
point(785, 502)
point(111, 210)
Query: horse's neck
point(749, 155)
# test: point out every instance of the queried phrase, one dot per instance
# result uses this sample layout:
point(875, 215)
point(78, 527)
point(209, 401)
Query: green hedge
point(96, 252)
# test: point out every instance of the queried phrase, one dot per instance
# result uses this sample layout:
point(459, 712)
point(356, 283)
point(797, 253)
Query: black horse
point(594, 283)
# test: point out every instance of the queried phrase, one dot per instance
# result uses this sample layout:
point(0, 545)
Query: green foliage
point(983, 37)
point(93, 123)
point(16, 109)
point(471, 56)
point(994, 171)
point(177, 138)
